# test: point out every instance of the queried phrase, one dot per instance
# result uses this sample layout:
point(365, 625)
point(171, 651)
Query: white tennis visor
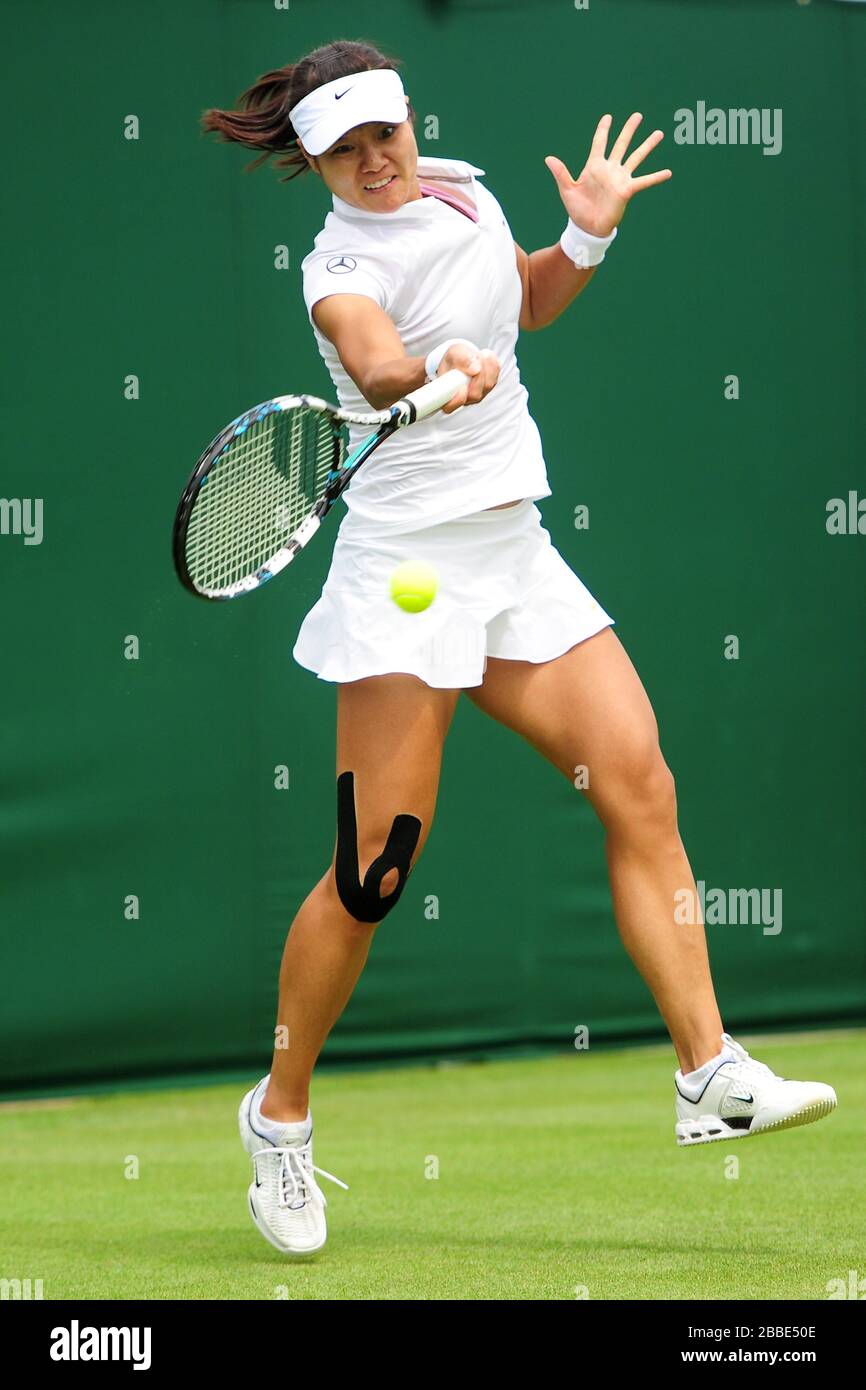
point(335, 107)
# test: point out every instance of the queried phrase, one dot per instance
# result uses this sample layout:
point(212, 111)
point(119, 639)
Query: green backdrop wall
point(154, 777)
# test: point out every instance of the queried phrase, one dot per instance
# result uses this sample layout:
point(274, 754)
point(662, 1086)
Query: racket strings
point(265, 483)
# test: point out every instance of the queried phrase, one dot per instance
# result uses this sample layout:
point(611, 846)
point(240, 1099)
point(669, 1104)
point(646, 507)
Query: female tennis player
point(414, 273)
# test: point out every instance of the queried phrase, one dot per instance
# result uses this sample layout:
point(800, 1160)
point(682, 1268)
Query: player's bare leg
point(589, 708)
point(390, 733)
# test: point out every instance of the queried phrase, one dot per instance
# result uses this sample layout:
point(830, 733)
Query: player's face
point(373, 166)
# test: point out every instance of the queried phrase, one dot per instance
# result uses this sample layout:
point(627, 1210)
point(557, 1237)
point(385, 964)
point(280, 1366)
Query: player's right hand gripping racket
point(262, 488)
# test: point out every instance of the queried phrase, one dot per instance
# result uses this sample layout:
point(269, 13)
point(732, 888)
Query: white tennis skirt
point(504, 591)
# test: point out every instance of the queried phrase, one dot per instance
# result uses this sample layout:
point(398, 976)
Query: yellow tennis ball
point(414, 585)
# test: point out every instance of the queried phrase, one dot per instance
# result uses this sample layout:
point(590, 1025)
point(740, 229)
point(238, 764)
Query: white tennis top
point(438, 274)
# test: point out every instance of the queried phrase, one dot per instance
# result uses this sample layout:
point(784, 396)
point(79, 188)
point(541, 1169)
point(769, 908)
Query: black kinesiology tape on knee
point(362, 900)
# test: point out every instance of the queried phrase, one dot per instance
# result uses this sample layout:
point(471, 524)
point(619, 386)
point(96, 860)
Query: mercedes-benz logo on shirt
point(340, 265)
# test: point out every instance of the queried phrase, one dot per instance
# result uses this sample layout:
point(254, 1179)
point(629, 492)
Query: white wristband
point(434, 357)
point(582, 247)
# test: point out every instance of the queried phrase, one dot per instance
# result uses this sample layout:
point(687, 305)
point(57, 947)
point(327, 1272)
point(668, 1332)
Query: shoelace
point(746, 1065)
point(296, 1181)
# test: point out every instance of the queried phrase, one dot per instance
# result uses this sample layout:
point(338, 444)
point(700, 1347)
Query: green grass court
point(552, 1174)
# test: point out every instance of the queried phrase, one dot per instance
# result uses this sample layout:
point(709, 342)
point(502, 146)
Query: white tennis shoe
point(285, 1201)
point(743, 1097)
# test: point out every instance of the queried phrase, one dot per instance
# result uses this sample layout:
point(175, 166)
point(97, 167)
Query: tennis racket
point(264, 485)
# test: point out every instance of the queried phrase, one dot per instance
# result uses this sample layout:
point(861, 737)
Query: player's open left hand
point(597, 200)
point(483, 368)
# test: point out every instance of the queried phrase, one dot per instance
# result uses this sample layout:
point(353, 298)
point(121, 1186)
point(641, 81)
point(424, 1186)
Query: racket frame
point(416, 405)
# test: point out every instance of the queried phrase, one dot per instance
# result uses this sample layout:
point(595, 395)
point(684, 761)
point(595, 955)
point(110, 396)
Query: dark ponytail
point(262, 120)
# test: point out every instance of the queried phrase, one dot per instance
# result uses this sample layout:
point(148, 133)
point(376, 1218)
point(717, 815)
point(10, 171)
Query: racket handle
point(426, 400)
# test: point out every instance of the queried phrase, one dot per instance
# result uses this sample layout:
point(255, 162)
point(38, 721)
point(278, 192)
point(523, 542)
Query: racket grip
point(426, 400)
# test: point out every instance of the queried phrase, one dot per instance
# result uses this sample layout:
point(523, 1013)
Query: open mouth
point(379, 185)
